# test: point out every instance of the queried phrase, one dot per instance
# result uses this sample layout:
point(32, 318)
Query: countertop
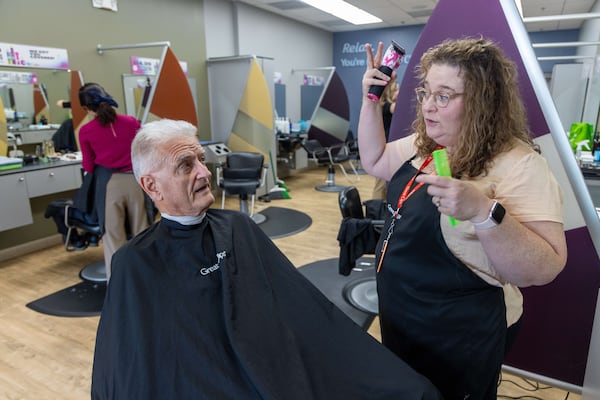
point(38, 165)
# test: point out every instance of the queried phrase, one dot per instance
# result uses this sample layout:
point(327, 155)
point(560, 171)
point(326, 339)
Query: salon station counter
point(19, 185)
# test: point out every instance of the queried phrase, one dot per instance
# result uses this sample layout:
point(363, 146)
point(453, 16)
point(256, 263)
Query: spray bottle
point(580, 145)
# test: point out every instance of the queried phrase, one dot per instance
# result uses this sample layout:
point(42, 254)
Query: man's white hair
point(145, 149)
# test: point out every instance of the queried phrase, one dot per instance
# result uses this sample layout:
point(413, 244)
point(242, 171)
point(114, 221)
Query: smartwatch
point(494, 218)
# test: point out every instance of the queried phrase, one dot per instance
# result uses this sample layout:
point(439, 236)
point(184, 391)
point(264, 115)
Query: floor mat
point(325, 276)
point(281, 222)
point(84, 299)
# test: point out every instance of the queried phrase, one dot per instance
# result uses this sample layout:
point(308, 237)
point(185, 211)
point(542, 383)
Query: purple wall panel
point(558, 317)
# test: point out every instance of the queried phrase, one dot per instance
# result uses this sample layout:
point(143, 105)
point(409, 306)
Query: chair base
point(324, 274)
point(359, 169)
point(258, 218)
point(362, 294)
point(330, 185)
point(94, 272)
point(330, 188)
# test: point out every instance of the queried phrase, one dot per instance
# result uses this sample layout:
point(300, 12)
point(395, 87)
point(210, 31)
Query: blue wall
point(350, 61)
point(554, 36)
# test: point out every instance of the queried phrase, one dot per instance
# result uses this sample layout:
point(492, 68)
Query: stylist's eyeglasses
point(441, 99)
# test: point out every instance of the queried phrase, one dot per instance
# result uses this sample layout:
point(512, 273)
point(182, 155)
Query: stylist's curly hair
point(93, 97)
point(494, 115)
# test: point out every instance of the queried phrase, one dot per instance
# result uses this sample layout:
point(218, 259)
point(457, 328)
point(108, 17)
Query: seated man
point(203, 305)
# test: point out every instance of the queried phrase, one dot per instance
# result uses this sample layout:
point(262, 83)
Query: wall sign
point(149, 66)
point(20, 55)
point(105, 4)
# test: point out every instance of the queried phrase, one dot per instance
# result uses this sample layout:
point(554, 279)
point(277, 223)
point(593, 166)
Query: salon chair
point(96, 271)
point(353, 152)
point(359, 233)
point(64, 137)
point(331, 156)
point(71, 222)
point(242, 174)
point(287, 144)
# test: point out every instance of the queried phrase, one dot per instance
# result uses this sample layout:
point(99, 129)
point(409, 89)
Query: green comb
point(442, 167)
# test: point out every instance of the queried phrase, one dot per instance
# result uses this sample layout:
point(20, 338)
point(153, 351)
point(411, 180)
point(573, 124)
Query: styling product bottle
point(596, 148)
point(391, 60)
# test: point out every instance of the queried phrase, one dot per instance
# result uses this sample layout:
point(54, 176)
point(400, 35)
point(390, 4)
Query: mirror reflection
point(28, 104)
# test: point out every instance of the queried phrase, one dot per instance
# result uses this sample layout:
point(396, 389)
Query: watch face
point(498, 213)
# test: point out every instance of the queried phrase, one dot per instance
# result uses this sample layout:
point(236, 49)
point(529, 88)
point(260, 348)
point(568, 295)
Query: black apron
point(435, 313)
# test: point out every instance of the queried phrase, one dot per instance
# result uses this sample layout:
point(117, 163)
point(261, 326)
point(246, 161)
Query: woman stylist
point(105, 144)
point(448, 295)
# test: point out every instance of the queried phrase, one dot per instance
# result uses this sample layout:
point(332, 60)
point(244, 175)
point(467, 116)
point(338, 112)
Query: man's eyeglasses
point(441, 99)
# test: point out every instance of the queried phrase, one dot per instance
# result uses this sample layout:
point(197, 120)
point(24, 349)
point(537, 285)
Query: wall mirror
point(19, 96)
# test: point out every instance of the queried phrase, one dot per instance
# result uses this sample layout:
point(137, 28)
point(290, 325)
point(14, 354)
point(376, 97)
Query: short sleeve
point(529, 190)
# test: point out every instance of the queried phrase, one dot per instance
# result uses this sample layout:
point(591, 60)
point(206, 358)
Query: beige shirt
point(523, 183)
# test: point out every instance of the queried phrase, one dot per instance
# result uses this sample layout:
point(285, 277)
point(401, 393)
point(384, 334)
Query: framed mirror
point(29, 101)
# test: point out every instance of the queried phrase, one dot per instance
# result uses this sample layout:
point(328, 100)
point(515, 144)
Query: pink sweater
point(108, 146)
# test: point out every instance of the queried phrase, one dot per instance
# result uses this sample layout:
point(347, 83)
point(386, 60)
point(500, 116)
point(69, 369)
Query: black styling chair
point(79, 231)
point(358, 235)
point(331, 156)
point(353, 153)
point(242, 174)
point(96, 271)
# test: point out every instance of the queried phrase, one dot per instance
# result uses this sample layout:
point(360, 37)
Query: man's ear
point(148, 184)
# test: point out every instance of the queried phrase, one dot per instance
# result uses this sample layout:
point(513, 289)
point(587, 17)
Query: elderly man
point(202, 305)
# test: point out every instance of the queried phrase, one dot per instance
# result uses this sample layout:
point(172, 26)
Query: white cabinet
point(53, 180)
point(17, 188)
point(14, 202)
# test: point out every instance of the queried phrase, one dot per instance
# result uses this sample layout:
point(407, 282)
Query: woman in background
point(388, 105)
point(105, 144)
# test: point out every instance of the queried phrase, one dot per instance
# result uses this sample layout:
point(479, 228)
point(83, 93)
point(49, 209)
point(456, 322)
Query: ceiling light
point(345, 11)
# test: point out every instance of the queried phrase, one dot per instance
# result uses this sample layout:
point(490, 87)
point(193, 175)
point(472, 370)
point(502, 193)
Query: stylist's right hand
point(373, 76)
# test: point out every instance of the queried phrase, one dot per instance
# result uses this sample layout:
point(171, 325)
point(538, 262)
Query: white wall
point(234, 28)
point(590, 32)
point(568, 87)
point(219, 28)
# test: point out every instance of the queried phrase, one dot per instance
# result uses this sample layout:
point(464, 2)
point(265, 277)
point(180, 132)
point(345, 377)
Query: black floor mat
point(283, 222)
point(84, 299)
point(324, 275)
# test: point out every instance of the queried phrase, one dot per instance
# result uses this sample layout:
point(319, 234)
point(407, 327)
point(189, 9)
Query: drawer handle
point(51, 174)
point(21, 179)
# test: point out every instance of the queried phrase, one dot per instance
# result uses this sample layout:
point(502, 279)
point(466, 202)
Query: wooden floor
point(47, 357)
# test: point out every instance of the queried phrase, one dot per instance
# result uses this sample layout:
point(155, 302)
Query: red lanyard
point(406, 193)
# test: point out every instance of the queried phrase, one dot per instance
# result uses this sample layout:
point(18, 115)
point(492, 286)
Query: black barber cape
point(216, 311)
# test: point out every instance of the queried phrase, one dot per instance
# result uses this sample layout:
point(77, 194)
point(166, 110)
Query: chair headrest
point(350, 204)
point(245, 160)
point(242, 173)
